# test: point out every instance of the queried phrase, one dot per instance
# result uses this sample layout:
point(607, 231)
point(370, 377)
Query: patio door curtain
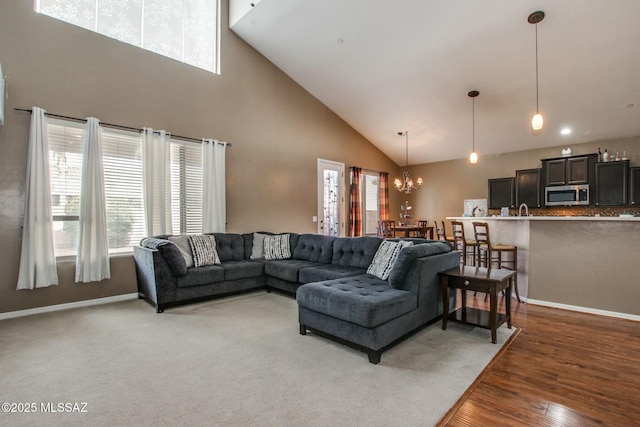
point(355, 203)
point(383, 197)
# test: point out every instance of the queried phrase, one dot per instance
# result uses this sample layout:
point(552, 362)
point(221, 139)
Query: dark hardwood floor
point(564, 368)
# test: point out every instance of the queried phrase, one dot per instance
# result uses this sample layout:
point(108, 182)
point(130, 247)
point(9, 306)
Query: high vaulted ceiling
point(388, 66)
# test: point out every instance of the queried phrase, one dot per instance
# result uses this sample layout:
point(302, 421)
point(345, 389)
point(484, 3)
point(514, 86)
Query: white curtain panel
point(37, 258)
point(156, 181)
point(92, 259)
point(214, 205)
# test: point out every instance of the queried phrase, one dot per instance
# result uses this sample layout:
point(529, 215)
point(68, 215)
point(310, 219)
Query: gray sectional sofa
point(335, 294)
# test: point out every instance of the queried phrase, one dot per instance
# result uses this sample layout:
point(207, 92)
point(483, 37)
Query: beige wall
point(278, 130)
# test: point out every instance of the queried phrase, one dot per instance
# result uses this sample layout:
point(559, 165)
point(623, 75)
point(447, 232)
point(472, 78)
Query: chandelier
point(406, 185)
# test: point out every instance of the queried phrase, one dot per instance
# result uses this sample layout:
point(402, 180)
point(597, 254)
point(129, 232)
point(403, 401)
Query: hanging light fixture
point(405, 185)
point(537, 121)
point(473, 157)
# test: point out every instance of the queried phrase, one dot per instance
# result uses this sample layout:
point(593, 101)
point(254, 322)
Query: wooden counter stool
point(487, 250)
point(460, 243)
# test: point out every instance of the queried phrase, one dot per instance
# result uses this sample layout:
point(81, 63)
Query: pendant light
point(537, 122)
point(473, 158)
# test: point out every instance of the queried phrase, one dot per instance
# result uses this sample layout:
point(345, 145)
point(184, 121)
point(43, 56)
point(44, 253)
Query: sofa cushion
point(364, 300)
point(327, 272)
point(234, 270)
point(313, 247)
point(277, 247)
point(287, 269)
point(356, 252)
point(385, 257)
point(203, 249)
point(204, 275)
point(230, 246)
point(408, 255)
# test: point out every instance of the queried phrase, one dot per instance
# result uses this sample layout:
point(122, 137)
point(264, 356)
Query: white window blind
point(123, 186)
point(185, 30)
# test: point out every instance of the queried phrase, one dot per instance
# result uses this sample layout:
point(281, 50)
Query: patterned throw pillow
point(203, 249)
point(277, 247)
point(385, 257)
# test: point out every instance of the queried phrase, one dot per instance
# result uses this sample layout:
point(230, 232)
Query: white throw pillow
point(182, 242)
point(203, 249)
point(385, 257)
point(277, 247)
point(257, 250)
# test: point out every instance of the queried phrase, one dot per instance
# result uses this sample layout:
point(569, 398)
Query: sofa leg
point(159, 309)
point(374, 356)
point(303, 329)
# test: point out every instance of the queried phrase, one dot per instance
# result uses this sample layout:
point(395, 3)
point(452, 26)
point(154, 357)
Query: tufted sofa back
point(356, 252)
point(313, 247)
point(230, 246)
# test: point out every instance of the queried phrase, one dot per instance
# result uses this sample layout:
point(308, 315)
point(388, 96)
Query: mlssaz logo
point(63, 407)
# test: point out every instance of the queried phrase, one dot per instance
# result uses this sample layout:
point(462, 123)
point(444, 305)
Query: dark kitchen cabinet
point(501, 193)
point(611, 186)
point(568, 170)
point(528, 188)
point(634, 184)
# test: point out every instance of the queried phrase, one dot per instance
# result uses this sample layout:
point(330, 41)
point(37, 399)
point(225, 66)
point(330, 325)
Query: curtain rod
point(111, 125)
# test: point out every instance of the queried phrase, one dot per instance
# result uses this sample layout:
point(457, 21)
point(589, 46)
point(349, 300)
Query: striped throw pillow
point(385, 257)
point(277, 247)
point(203, 249)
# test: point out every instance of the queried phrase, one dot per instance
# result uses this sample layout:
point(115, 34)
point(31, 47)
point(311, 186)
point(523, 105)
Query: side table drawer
point(472, 285)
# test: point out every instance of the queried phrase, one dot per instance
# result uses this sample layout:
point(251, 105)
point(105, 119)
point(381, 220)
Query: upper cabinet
point(634, 190)
point(568, 170)
point(501, 193)
point(528, 187)
point(611, 186)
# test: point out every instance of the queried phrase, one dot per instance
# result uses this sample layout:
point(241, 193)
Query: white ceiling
point(389, 66)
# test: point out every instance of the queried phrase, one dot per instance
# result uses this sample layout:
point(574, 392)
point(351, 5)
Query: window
point(123, 186)
point(185, 30)
point(370, 199)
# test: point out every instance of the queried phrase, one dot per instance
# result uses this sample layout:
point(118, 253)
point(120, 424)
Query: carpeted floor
point(232, 361)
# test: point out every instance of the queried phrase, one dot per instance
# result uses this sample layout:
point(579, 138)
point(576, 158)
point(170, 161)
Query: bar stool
point(486, 251)
point(460, 243)
point(442, 234)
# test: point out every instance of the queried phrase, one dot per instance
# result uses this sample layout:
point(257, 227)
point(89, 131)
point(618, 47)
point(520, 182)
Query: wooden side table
point(488, 280)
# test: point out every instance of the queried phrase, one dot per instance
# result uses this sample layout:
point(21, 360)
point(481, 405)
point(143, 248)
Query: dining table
point(406, 230)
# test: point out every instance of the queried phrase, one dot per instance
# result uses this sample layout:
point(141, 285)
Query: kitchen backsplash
point(574, 211)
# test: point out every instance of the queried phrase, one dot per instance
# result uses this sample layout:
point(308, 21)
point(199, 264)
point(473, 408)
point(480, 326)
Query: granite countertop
point(547, 218)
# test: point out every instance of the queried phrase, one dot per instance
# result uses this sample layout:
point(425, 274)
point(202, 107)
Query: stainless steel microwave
point(567, 195)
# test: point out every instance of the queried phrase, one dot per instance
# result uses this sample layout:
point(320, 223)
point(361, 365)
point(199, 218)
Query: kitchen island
point(578, 262)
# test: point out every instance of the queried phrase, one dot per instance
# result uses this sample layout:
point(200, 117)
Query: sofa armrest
point(406, 259)
point(155, 279)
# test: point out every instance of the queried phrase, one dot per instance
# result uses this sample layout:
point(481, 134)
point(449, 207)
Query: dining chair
point(387, 228)
point(487, 250)
point(423, 231)
point(460, 243)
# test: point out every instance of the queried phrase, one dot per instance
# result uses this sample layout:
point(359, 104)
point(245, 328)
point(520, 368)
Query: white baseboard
point(76, 304)
point(585, 310)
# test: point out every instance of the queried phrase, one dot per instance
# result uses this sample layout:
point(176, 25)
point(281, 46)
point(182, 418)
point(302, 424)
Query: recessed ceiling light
point(565, 131)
